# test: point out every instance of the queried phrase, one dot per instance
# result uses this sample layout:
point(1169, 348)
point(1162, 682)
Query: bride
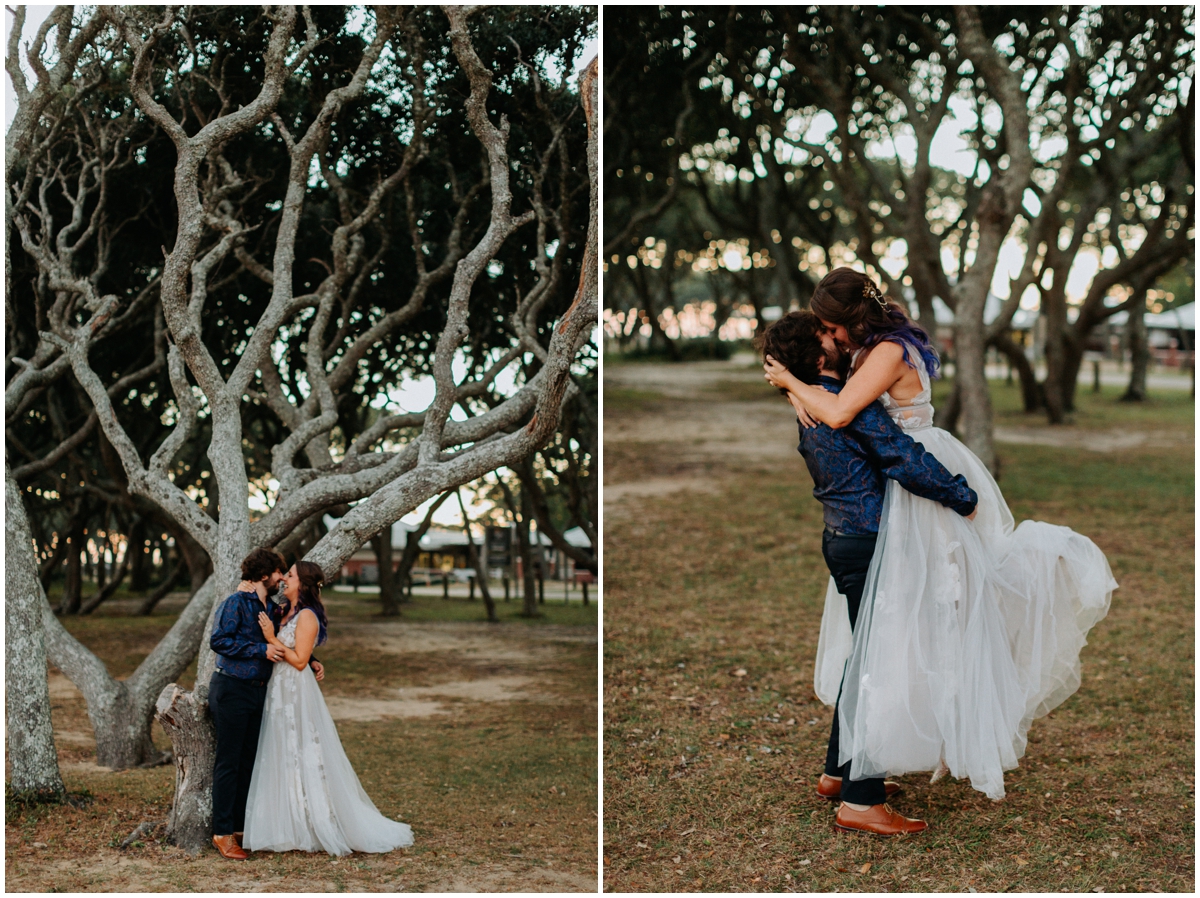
point(304, 794)
point(966, 632)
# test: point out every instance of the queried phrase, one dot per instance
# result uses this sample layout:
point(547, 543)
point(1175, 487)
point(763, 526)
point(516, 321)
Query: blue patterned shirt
point(851, 465)
point(238, 638)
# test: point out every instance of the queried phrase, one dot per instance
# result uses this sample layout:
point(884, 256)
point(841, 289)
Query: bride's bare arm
point(307, 629)
point(881, 369)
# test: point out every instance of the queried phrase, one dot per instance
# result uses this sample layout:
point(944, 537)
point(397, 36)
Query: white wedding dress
point(967, 631)
point(304, 795)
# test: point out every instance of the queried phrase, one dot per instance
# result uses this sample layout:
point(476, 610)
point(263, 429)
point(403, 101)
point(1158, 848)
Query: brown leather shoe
point(229, 848)
point(238, 838)
point(878, 819)
point(830, 787)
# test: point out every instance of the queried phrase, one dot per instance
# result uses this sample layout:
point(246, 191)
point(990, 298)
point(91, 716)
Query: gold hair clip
point(870, 291)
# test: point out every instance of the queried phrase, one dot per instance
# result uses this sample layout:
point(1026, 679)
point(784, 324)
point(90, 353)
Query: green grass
point(700, 585)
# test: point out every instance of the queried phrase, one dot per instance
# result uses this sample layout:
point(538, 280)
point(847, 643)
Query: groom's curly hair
point(262, 563)
point(794, 341)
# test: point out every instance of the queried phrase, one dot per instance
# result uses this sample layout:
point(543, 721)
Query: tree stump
point(193, 738)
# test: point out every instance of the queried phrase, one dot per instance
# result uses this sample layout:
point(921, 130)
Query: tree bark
point(473, 560)
point(1139, 357)
point(1055, 387)
point(121, 711)
point(164, 588)
point(73, 584)
point(412, 547)
point(970, 379)
point(529, 580)
point(105, 592)
point(1031, 390)
point(31, 750)
point(382, 544)
point(136, 553)
point(190, 727)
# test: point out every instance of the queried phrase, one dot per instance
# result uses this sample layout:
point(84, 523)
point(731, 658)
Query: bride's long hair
point(312, 578)
point(850, 298)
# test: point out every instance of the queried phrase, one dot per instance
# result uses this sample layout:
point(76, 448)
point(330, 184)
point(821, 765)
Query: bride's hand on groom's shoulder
point(806, 420)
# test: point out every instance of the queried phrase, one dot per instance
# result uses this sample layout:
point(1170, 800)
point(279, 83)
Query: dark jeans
point(237, 710)
point(848, 558)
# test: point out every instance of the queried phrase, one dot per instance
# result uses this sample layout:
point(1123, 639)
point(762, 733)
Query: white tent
point(1182, 318)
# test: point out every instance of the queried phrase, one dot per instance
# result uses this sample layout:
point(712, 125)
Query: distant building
point(443, 551)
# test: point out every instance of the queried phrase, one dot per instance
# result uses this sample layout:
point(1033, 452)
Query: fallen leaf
point(688, 832)
point(554, 789)
point(865, 868)
point(675, 860)
point(724, 735)
point(805, 863)
point(1021, 862)
point(740, 672)
point(40, 845)
point(642, 845)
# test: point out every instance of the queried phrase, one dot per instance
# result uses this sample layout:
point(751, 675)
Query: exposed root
point(143, 829)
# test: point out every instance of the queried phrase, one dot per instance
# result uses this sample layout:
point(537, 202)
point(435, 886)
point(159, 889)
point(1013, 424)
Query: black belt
point(834, 532)
point(241, 680)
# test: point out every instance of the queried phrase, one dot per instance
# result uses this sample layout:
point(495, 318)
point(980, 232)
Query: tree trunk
point(412, 547)
point(31, 750)
point(105, 592)
point(970, 379)
point(101, 566)
point(1031, 390)
point(473, 560)
point(1054, 388)
point(136, 557)
point(190, 727)
point(121, 712)
point(382, 544)
point(523, 544)
point(1139, 352)
point(73, 585)
point(164, 588)
point(1072, 362)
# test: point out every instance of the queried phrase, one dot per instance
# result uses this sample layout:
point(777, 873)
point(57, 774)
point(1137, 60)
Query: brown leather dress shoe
point(229, 848)
point(878, 819)
point(830, 787)
point(238, 838)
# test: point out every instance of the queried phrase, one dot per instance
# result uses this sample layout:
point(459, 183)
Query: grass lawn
point(499, 784)
point(710, 776)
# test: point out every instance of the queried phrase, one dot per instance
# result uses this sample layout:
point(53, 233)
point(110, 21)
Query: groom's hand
point(274, 653)
point(974, 512)
point(318, 670)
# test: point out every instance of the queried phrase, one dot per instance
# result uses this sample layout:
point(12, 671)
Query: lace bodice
point(287, 633)
point(915, 413)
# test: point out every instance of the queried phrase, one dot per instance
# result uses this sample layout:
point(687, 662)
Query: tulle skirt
point(968, 630)
point(304, 795)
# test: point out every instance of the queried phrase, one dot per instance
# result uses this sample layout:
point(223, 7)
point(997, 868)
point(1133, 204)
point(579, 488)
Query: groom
point(850, 467)
point(238, 691)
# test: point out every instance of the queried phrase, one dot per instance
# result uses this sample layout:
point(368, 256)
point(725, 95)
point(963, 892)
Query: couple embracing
point(946, 630)
point(281, 781)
